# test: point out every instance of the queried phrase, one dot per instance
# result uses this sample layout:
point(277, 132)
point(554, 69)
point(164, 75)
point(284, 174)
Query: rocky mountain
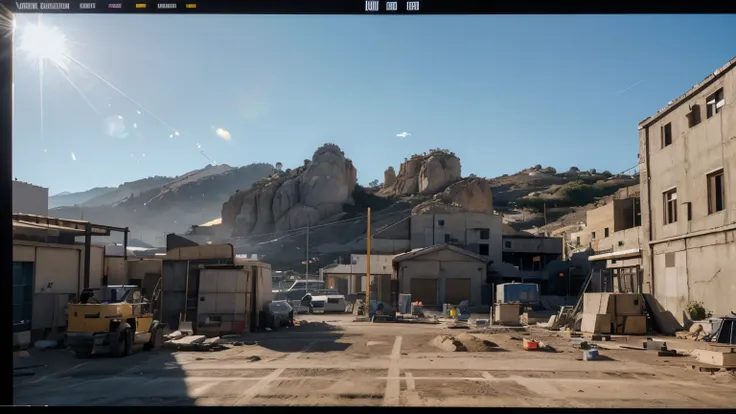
point(73, 199)
point(426, 173)
point(265, 210)
point(291, 199)
point(156, 206)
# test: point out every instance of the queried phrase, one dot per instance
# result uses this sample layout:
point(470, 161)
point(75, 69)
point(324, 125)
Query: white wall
point(58, 270)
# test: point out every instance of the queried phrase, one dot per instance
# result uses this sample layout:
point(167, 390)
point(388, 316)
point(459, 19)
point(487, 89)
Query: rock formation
point(473, 195)
point(389, 177)
point(295, 198)
point(425, 173)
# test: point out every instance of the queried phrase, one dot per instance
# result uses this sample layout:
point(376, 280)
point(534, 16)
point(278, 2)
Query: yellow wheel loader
point(112, 320)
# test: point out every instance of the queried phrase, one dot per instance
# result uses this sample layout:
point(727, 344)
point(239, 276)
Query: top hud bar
point(256, 6)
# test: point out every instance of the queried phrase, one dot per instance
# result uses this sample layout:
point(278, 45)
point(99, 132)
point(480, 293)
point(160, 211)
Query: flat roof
point(39, 226)
point(66, 224)
point(671, 105)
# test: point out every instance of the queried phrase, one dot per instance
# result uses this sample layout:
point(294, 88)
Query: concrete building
point(350, 279)
point(531, 254)
point(688, 179)
point(475, 232)
point(441, 274)
point(30, 199)
point(49, 269)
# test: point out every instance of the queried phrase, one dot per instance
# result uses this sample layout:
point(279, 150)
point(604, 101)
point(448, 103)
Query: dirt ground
point(331, 360)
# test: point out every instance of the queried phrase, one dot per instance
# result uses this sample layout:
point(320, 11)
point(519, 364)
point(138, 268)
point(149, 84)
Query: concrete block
point(628, 304)
point(635, 325)
point(507, 313)
point(597, 302)
point(596, 323)
point(721, 359)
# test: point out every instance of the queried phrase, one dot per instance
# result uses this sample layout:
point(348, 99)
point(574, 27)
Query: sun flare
point(43, 43)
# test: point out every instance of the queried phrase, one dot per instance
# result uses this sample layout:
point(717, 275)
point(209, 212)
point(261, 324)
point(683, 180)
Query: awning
point(622, 254)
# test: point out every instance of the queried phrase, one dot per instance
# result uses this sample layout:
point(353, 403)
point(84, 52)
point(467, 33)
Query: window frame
point(665, 129)
point(711, 191)
point(712, 109)
point(667, 203)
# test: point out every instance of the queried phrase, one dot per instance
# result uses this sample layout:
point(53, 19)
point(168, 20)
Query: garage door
point(457, 290)
point(425, 291)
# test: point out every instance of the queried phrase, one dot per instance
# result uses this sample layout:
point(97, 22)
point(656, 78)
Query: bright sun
point(44, 44)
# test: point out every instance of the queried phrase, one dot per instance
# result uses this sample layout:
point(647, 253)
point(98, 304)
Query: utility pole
point(368, 265)
point(545, 213)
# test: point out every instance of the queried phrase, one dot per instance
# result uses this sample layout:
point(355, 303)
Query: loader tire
point(121, 343)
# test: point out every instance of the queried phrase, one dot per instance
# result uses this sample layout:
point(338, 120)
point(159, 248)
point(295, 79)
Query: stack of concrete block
point(614, 313)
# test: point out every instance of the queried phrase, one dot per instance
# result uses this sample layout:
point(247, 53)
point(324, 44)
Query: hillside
point(265, 211)
point(156, 206)
point(271, 217)
point(73, 199)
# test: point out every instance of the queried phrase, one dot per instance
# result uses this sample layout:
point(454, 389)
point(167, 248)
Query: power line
point(301, 230)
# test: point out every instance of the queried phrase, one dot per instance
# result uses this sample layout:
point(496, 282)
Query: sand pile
point(463, 343)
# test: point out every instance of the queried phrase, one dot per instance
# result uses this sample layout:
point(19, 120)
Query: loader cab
point(111, 294)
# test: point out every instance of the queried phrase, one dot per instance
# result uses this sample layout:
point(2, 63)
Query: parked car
point(280, 314)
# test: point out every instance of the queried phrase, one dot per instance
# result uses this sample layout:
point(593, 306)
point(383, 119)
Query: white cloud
point(403, 134)
point(222, 133)
point(74, 157)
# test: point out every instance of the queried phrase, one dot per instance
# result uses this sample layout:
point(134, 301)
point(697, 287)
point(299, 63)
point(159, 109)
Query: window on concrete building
point(667, 135)
point(670, 206)
point(507, 244)
point(577, 240)
point(693, 117)
point(483, 249)
point(714, 103)
point(22, 296)
point(716, 190)
point(689, 210)
point(447, 238)
point(592, 235)
point(605, 232)
point(485, 234)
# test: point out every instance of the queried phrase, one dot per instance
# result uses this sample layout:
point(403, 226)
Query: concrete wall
point(585, 239)
point(621, 240)
point(691, 259)
point(443, 265)
point(30, 199)
point(58, 273)
point(380, 264)
point(462, 227)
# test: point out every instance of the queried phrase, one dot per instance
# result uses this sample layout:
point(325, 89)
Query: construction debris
point(463, 343)
point(174, 335)
point(579, 343)
point(591, 355)
point(530, 344)
point(655, 345)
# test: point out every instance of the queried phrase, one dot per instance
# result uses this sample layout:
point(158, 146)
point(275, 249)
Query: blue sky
point(502, 92)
